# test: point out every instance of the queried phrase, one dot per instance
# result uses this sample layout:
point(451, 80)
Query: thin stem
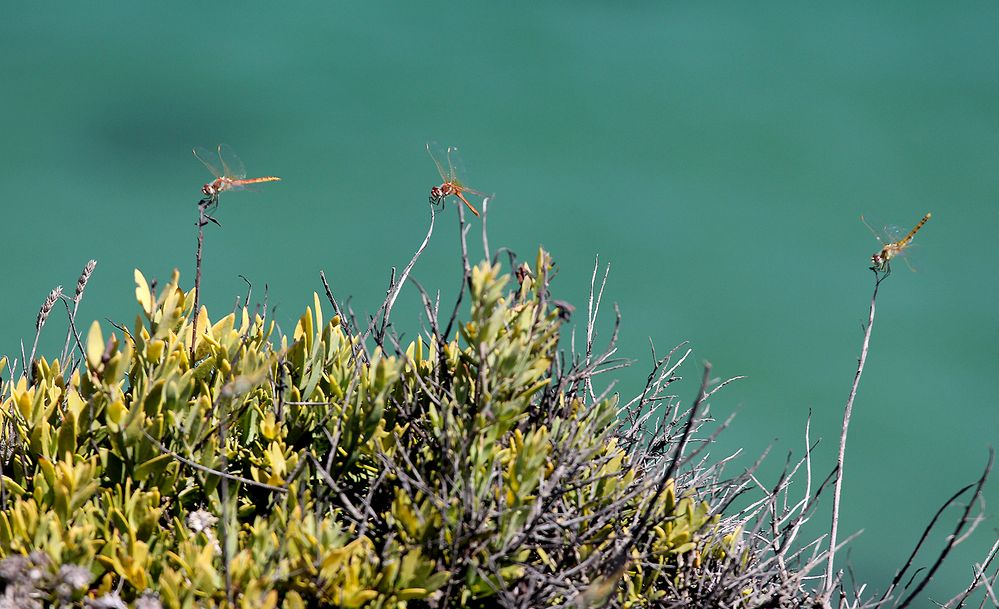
point(954, 538)
point(485, 235)
point(81, 285)
point(203, 218)
point(208, 470)
point(71, 333)
point(593, 308)
point(847, 412)
point(226, 529)
point(405, 272)
point(466, 276)
point(43, 315)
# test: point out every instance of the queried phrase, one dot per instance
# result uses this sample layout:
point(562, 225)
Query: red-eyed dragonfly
point(450, 183)
point(228, 170)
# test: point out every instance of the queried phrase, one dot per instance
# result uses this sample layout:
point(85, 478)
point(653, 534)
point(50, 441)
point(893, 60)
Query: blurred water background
point(717, 155)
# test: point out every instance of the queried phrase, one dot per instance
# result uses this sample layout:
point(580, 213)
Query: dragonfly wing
point(208, 159)
point(455, 163)
point(478, 193)
point(893, 233)
point(231, 163)
point(436, 152)
point(884, 234)
point(910, 254)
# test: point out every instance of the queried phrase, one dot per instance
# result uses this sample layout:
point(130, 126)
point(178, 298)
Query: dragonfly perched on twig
point(229, 172)
point(892, 244)
point(450, 184)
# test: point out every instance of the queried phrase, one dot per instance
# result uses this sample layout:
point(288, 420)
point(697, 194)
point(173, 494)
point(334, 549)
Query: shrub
point(337, 467)
point(277, 471)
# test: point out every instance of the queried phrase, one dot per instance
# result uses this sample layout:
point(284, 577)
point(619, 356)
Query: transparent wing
point(436, 153)
point(455, 163)
point(209, 159)
point(231, 163)
point(910, 255)
point(884, 234)
point(893, 232)
point(477, 193)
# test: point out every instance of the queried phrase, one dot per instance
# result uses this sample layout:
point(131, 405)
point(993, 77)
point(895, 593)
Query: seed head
point(81, 283)
point(43, 313)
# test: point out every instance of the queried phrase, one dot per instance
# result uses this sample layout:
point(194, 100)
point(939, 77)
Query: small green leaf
point(152, 467)
point(66, 443)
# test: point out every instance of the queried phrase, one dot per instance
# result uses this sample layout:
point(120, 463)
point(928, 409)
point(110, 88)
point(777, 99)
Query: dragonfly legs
point(883, 270)
point(204, 206)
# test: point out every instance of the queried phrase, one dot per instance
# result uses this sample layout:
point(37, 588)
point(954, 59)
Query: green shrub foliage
point(318, 470)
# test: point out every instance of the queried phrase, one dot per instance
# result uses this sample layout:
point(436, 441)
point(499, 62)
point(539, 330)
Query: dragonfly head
point(209, 189)
point(436, 195)
point(880, 258)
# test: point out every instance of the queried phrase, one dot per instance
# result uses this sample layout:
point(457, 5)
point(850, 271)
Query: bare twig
point(466, 276)
point(485, 234)
point(592, 310)
point(980, 579)
point(209, 470)
point(203, 218)
point(394, 293)
point(224, 524)
point(954, 538)
point(847, 412)
point(72, 333)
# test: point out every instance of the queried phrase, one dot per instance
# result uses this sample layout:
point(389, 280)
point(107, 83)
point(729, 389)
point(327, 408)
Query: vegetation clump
point(189, 463)
point(309, 470)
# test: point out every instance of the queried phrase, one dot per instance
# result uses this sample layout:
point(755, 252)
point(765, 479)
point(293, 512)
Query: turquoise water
point(718, 156)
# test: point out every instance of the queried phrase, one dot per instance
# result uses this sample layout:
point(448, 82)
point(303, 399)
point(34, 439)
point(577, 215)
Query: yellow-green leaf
point(142, 293)
point(95, 345)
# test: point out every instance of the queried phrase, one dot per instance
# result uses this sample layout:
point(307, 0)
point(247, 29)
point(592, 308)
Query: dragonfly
point(450, 184)
point(892, 244)
point(232, 175)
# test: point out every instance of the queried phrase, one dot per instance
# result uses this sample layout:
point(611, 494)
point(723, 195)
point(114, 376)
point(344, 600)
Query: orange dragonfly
point(450, 184)
point(892, 244)
point(232, 175)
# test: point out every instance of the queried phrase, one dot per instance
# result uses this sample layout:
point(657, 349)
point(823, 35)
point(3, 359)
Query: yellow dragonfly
point(892, 244)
